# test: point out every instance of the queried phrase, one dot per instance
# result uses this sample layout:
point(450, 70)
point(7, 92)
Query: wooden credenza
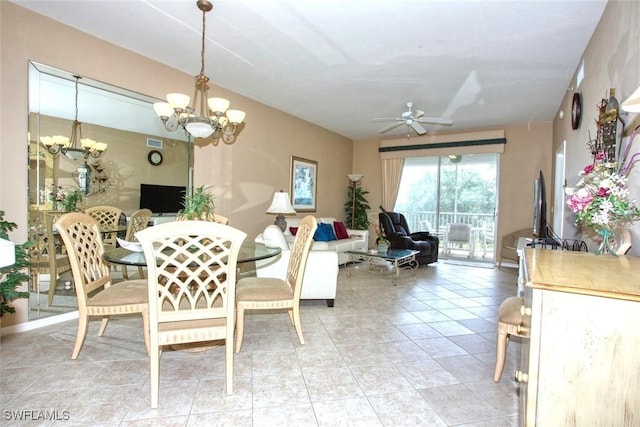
point(581, 364)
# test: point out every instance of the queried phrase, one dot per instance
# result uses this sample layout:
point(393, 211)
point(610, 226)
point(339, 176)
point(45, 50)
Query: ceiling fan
point(413, 119)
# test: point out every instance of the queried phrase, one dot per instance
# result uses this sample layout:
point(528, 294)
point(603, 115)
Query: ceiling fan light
point(163, 109)
point(199, 129)
point(235, 116)
point(178, 100)
point(218, 105)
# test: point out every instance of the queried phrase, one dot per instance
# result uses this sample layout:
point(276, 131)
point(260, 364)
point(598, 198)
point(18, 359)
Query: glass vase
point(608, 244)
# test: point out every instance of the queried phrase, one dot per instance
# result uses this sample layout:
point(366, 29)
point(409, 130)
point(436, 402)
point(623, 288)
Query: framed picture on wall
point(304, 174)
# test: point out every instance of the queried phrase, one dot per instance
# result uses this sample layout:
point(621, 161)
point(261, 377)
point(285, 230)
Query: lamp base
point(281, 222)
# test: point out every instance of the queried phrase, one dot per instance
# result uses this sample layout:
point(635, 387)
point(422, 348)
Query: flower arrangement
point(381, 238)
point(67, 199)
point(601, 199)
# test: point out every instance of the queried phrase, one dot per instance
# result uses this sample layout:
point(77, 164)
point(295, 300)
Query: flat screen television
point(162, 199)
point(540, 228)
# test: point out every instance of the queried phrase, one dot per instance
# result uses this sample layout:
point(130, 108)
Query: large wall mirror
point(139, 151)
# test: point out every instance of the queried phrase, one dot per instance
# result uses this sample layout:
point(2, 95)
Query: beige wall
point(244, 175)
point(526, 152)
point(124, 162)
point(612, 60)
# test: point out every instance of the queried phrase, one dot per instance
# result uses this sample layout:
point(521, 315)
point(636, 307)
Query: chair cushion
point(341, 230)
point(122, 293)
point(262, 289)
point(510, 311)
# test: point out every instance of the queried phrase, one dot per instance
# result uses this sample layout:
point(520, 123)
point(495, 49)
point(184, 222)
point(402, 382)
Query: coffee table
point(398, 258)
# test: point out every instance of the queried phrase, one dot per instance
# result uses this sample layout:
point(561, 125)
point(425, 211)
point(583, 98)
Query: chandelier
point(205, 116)
point(76, 147)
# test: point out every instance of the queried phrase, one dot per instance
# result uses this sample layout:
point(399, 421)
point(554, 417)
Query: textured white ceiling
point(340, 63)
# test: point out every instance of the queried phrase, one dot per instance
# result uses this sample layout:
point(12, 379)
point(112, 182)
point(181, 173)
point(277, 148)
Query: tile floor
point(420, 352)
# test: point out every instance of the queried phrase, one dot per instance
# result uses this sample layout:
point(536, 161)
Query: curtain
point(391, 175)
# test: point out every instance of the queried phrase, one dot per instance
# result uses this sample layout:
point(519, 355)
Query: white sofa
point(321, 274)
point(358, 239)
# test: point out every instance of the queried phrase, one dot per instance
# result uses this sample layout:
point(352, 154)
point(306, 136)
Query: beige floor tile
point(420, 352)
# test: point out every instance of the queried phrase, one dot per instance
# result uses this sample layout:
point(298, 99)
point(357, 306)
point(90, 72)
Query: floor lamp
point(355, 180)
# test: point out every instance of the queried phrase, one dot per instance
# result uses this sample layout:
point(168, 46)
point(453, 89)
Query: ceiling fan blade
point(391, 126)
point(387, 119)
point(435, 121)
point(418, 128)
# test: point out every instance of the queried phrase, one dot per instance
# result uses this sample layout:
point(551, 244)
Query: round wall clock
point(576, 110)
point(154, 157)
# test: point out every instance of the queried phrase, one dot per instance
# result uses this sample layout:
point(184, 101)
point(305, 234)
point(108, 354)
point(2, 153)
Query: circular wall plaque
point(154, 157)
point(576, 110)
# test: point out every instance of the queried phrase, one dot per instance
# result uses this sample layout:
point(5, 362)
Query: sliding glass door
point(454, 197)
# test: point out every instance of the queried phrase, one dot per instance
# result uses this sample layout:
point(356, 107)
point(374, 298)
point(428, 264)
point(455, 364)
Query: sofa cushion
point(324, 233)
point(341, 230)
point(274, 238)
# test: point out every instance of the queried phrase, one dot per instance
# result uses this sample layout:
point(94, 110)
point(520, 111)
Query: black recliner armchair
point(395, 228)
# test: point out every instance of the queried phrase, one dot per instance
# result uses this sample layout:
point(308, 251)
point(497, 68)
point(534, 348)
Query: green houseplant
point(356, 208)
point(12, 276)
point(198, 205)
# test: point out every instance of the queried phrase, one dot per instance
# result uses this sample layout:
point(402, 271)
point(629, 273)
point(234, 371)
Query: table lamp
point(7, 253)
point(281, 206)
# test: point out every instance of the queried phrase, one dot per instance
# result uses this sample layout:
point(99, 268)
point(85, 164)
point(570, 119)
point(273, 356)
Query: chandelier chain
point(204, 12)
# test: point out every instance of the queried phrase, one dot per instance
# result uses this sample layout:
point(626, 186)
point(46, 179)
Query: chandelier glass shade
point(75, 147)
point(205, 116)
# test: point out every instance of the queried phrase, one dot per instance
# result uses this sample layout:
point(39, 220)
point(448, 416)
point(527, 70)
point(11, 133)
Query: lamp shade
point(354, 177)
point(281, 204)
point(7, 253)
point(632, 103)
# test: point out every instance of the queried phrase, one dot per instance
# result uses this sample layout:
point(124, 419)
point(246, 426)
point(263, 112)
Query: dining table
point(249, 251)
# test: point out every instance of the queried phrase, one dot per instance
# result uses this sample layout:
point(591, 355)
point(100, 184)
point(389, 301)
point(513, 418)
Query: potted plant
point(356, 208)
point(12, 276)
point(198, 205)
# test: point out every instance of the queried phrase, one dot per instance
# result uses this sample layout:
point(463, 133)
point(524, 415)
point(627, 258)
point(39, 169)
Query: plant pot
point(383, 248)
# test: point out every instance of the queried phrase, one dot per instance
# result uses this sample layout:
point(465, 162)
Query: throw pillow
point(320, 235)
point(293, 230)
point(341, 230)
point(328, 230)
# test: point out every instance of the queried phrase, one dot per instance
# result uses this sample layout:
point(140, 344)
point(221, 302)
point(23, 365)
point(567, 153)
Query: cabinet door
point(588, 371)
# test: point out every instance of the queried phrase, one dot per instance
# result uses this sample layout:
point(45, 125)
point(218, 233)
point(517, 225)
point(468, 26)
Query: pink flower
point(587, 169)
point(603, 192)
point(600, 156)
point(580, 200)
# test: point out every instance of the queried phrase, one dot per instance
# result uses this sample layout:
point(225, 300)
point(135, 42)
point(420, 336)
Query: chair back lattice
point(299, 254)
point(139, 220)
point(191, 271)
point(107, 216)
point(80, 234)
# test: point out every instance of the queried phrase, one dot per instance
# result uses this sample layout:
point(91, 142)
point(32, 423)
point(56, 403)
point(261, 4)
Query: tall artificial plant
point(356, 208)
point(12, 276)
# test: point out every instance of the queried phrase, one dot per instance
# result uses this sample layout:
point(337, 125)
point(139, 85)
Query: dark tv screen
point(162, 199)
point(539, 208)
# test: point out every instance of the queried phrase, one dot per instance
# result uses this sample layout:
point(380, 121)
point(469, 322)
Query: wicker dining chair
point(268, 293)
point(191, 277)
point(107, 216)
point(97, 295)
point(139, 220)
